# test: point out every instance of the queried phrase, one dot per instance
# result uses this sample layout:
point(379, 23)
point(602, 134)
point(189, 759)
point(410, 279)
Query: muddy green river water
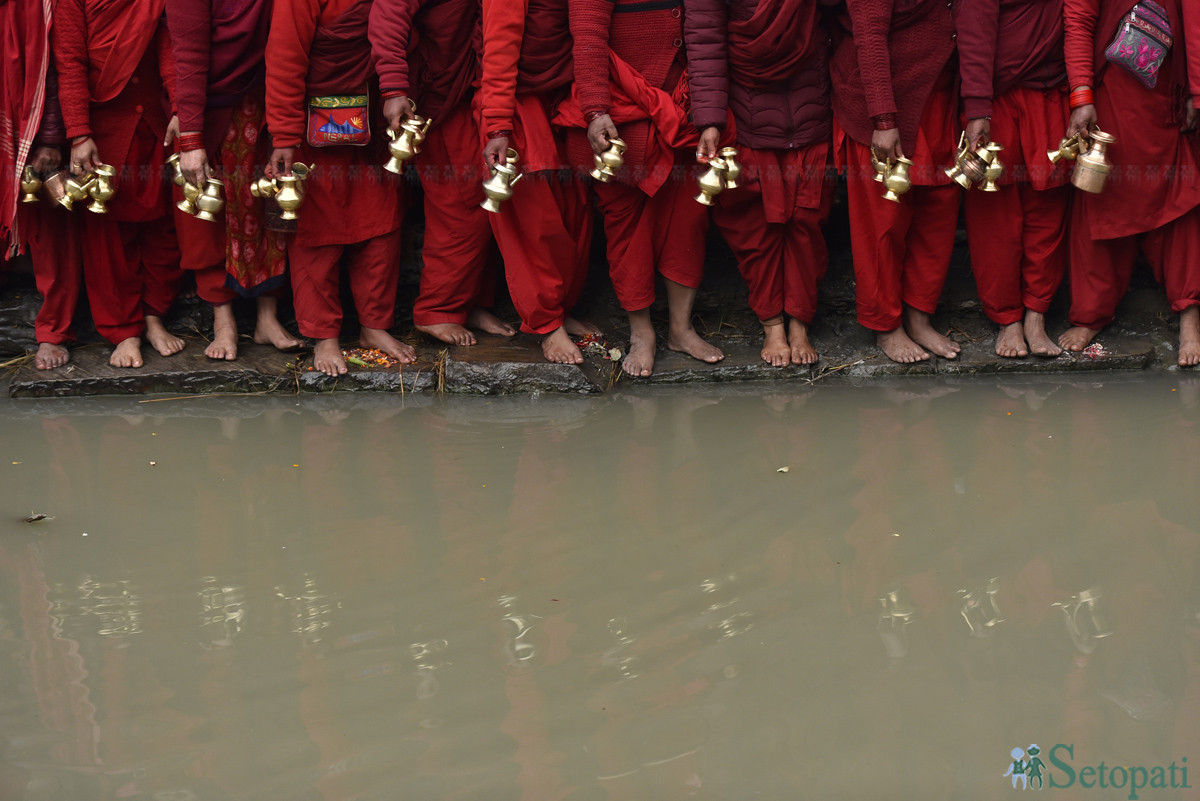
point(907, 591)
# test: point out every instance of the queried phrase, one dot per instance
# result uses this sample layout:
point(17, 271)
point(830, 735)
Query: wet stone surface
point(1144, 337)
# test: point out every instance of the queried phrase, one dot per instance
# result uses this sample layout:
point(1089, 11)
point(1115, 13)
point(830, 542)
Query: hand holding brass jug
point(1092, 168)
point(712, 181)
point(969, 166)
point(407, 143)
point(30, 184)
point(608, 162)
point(499, 187)
point(102, 190)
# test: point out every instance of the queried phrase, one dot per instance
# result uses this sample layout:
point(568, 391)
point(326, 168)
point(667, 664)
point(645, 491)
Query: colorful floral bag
point(339, 120)
point(1143, 41)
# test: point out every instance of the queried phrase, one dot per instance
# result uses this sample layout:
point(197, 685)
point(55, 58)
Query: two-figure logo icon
point(1027, 771)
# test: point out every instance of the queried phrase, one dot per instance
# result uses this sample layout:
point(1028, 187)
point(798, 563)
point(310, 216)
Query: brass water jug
point(608, 162)
point(290, 195)
point(30, 184)
point(211, 201)
point(898, 181)
point(994, 169)
point(733, 170)
point(76, 190)
point(188, 204)
point(264, 187)
point(499, 187)
point(406, 144)
point(1092, 168)
point(711, 181)
point(102, 190)
point(1068, 149)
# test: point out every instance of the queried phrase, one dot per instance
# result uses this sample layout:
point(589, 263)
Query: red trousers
point(1018, 243)
point(202, 251)
point(772, 223)
point(458, 273)
point(374, 274)
point(665, 232)
point(545, 233)
point(901, 250)
point(53, 237)
point(1101, 268)
point(130, 269)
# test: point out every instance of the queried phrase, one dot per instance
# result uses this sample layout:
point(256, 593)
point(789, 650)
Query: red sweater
point(292, 70)
point(427, 50)
point(526, 47)
point(646, 34)
point(113, 63)
point(1006, 43)
point(219, 48)
point(889, 57)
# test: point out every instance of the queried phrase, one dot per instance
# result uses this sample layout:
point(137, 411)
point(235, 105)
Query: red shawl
point(774, 43)
point(24, 56)
point(339, 60)
point(546, 48)
point(119, 33)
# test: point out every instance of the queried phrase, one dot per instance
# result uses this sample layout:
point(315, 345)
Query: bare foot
point(557, 347)
point(691, 343)
point(1076, 338)
point(802, 350)
point(581, 328)
point(916, 323)
point(775, 350)
point(50, 356)
point(381, 340)
point(1010, 342)
point(1189, 337)
point(483, 320)
point(128, 353)
point(451, 333)
point(327, 357)
point(269, 331)
point(1040, 343)
point(224, 343)
point(162, 340)
point(681, 336)
point(643, 342)
point(899, 348)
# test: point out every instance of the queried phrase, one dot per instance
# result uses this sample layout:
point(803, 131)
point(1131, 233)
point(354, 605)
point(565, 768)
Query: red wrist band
point(591, 116)
point(191, 141)
point(885, 122)
point(1082, 97)
point(502, 134)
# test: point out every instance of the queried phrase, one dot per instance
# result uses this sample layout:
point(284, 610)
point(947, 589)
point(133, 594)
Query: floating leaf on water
point(783, 469)
point(37, 518)
point(615, 354)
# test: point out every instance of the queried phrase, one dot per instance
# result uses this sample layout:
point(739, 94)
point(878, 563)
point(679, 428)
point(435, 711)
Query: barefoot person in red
point(630, 72)
point(545, 230)
point(768, 60)
point(219, 49)
point(1150, 200)
point(894, 94)
point(113, 60)
point(35, 137)
point(1014, 92)
point(322, 109)
point(429, 51)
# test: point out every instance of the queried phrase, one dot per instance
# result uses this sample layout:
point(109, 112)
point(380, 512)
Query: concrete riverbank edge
point(1144, 338)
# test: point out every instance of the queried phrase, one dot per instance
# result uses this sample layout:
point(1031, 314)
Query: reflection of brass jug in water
point(499, 187)
point(1092, 168)
point(733, 170)
point(30, 184)
point(895, 613)
point(1085, 622)
point(712, 181)
point(102, 189)
point(211, 201)
point(897, 181)
point(608, 162)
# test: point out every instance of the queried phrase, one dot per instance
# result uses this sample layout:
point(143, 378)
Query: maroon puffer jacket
point(789, 113)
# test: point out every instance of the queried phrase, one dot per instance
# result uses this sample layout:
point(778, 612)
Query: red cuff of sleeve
point(388, 94)
point(285, 141)
point(77, 132)
point(976, 107)
point(885, 122)
point(590, 114)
